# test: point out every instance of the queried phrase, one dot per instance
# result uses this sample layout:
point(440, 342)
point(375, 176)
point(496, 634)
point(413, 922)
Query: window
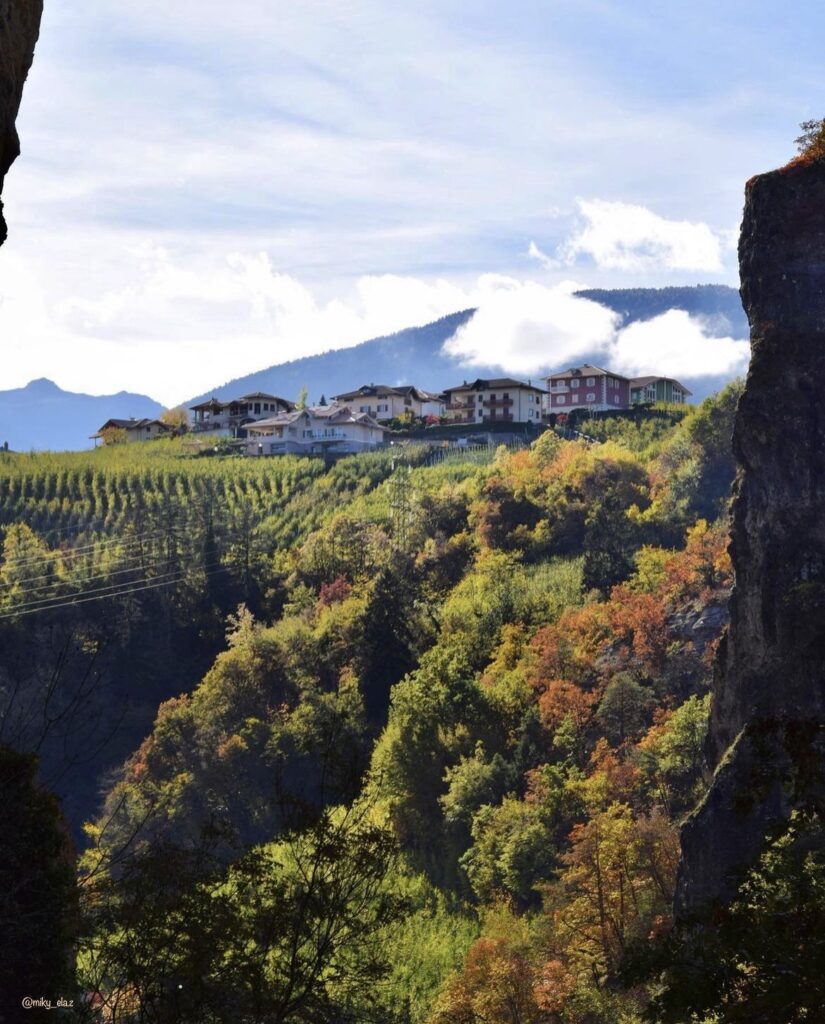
point(481, 398)
point(574, 383)
point(257, 407)
point(560, 399)
point(591, 381)
point(591, 397)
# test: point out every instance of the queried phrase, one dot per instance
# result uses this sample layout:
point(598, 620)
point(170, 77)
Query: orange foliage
point(639, 623)
point(569, 648)
point(562, 698)
point(621, 776)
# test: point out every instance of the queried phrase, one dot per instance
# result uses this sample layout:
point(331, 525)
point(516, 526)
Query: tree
point(811, 142)
point(302, 399)
point(288, 932)
point(37, 891)
point(114, 435)
point(624, 708)
point(758, 961)
point(177, 418)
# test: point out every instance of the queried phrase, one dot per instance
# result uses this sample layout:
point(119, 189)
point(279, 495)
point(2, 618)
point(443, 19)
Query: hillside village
point(366, 418)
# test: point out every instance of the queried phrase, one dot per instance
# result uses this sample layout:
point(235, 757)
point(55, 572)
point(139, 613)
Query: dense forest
point(406, 738)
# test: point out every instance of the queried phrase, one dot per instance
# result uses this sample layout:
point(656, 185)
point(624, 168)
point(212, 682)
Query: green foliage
point(503, 636)
point(37, 895)
point(760, 960)
point(811, 141)
point(288, 932)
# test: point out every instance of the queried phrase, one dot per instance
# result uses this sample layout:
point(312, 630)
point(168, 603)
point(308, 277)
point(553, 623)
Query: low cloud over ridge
point(530, 329)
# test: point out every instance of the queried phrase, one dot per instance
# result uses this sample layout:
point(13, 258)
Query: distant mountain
point(41, 415)
point(717, 304)
point(414, 356)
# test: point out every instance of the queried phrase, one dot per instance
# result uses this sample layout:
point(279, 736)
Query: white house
point(499, 400)
point(230, 419)
point(314, 431)
point(386, 403)
point(132, 430)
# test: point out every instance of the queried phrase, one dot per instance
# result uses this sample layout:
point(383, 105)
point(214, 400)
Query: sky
point(207, 189)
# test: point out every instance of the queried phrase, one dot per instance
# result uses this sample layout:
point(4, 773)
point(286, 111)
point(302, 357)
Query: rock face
point(19, 28)
point(768, 721)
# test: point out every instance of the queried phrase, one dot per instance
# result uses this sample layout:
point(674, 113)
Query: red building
point(587, 387)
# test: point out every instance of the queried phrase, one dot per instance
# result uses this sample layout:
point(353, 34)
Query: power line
point(85, 598)
point(137, 567)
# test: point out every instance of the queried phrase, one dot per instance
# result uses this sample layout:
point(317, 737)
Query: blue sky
point(209, 188)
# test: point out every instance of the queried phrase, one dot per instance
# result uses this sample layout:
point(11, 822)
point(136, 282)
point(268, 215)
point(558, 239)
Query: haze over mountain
point(416, 355)
point(41, 415)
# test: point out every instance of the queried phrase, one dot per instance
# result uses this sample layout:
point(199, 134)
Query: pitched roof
point(640, 382)
point(585, 370)
point(386, 391)
point(133, 424)
point(330, 413)
point(215, 404)
point(483, 384)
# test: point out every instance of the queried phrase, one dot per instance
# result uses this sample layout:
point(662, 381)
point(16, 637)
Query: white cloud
point(528, 329)
point(525, 327)
point(674, 344)
point(535, 253)
point(625, 236)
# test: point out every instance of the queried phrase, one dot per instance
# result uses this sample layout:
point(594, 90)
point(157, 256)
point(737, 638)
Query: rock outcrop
point(768, 722)
point(19, 29)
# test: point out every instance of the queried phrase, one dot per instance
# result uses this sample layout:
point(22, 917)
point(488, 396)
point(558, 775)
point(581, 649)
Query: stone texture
point(19, 28)
point(769, 690)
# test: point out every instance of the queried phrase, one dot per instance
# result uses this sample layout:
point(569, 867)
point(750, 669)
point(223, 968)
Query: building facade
point(587, 387)
point(658, 389)
point(230, 419)
point(498, 400)
point(131, 430)
point(383, 402)
point(315, 431)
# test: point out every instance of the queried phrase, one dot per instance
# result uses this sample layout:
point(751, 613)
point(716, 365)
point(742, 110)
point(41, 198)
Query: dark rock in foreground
point(768, 721)
point(19, 29)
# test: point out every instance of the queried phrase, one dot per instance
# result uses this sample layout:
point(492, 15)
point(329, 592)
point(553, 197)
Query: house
point(315, 430)
point(498, 400)
point(658, 389)
point(587, 387)
point(133, 430)
point(387, 403)
point(230, 419)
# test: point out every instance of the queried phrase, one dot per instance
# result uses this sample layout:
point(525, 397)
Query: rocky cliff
point(768, 724)
point(19, 28)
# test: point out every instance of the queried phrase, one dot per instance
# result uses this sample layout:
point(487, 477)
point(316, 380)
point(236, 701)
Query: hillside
point(387, 713)
point(43, 416)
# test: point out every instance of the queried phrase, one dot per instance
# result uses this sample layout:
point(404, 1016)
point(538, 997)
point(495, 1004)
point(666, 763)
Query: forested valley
point(401, 739)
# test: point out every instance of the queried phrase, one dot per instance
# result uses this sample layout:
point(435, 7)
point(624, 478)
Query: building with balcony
point(499, 400)
point(383, 402)
point(587, 387)
point(658, 389)
point(316, 430)
point(230, 419)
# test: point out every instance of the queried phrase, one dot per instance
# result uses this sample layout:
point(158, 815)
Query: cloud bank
point(174, 325)
point(626, 236)
point(532, 329)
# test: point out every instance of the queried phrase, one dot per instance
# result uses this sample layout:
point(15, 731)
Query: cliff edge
point(19, 29)
point(768, 719)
